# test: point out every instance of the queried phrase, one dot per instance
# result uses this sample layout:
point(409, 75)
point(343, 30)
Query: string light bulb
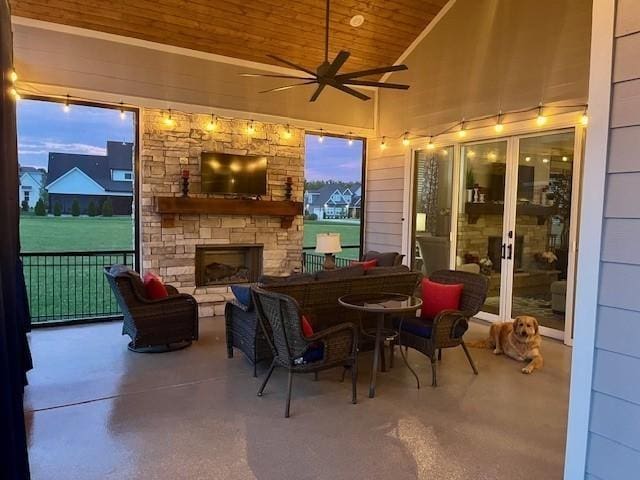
point(211, 126)
point(383, 143)
point(287, 132)
point(321, 136)
point(350, 139)
point(14, 93)
point(584, 119)
point(430, 145)
point(66, 107)
point(540, 119)
point(463, 130)
point(405, 139)
point(13, 76)
point(499, 126)
point(251, 128)
point(123, 115)
point(168, 120)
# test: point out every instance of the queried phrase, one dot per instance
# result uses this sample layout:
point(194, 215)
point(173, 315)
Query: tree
point(107, 208)
point(57, 209)
point(91, 209)
point(40, 209)
point(75, 208)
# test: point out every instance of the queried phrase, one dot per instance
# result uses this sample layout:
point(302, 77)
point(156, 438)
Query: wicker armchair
point(154, 325)
point(280, 318)
point(449, 326)
point(244, 332)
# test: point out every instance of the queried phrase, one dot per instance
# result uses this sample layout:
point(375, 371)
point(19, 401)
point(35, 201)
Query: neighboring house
point(92, 178)
point(32, 181)
point(334, 200)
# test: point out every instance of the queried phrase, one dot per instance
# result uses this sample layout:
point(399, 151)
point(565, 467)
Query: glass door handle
point(510, 249)
point(503, 254)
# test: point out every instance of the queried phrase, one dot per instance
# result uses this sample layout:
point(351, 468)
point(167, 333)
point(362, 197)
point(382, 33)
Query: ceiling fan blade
point(273, 76)
point(287, 62)
point(373, 71)
point(345, 89)
point(337, 63)
point(287, 87)
point(376, 84)
point(317, 93)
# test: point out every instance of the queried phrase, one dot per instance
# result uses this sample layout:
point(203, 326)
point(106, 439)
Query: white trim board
point(100, 188)
point(443, 11)
point(590, 228)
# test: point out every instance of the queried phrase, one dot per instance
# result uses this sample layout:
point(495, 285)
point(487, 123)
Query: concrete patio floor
point(97, 411)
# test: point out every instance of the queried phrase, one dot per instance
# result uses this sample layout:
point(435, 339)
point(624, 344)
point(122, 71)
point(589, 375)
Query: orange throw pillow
point(153, 287)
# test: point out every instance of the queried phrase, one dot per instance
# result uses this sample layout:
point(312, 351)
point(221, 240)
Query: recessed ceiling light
point(356, 20)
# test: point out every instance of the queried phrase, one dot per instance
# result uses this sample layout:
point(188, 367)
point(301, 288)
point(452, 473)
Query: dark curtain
point(14, 351)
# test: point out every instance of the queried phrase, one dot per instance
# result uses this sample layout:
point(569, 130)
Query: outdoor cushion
point(243, 295)
point(340, 273)
point(387, 270)
point(307, 329)
point(288, 280)
point(154, 287)
point(367, 265)
point(386, 259)
point(439, 296)
point(120, 270)
point(418, 326)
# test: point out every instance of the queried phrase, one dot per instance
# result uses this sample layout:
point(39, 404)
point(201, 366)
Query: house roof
point(294, 31)
point(97, 167)
point(323, 195)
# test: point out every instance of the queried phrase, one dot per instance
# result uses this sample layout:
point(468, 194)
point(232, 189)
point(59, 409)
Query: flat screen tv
point(233, 174)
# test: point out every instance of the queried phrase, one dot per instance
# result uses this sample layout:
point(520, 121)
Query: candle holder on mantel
point(288, 188)
point(185, 183)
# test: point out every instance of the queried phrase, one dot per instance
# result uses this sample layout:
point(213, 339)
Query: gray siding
point(385, 190)
point(614, 440)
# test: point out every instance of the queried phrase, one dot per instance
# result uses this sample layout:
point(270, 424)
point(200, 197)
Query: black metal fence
point(312, 262)
point(67, 286)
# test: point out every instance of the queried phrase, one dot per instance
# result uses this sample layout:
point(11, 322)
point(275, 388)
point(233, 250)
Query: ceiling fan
point(327, 73)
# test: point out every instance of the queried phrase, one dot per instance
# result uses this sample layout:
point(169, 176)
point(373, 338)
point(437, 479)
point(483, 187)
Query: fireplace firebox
point(226, 264)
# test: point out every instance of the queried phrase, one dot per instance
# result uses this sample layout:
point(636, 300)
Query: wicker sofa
point(317, 296)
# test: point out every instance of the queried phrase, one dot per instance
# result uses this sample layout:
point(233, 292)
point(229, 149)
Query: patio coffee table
point(381, 304)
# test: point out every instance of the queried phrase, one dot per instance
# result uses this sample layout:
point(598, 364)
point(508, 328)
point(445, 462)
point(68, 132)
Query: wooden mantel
point(286, 210)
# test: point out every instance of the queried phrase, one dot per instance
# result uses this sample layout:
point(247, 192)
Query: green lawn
point(75, 234)
point(349, 234)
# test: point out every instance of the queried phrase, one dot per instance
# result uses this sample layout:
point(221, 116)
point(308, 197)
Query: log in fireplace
point(225, 264)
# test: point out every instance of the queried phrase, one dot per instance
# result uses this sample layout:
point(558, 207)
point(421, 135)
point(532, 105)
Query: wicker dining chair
point(280, 318)
point(448, 327)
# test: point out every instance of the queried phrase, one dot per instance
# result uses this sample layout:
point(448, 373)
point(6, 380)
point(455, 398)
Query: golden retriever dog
point(519, 340)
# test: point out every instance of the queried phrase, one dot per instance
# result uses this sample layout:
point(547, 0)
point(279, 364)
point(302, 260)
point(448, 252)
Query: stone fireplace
point(172, 244)
point(228, 264)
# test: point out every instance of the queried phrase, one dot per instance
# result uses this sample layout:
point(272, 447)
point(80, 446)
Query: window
point(26, 195)
point(121, 175)
point(333, 191)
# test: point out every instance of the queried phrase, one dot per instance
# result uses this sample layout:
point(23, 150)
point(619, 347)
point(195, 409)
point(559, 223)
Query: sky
point(44, 127)
point(332, 159)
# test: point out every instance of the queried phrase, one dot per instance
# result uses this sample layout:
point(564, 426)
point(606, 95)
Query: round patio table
point(381, 304)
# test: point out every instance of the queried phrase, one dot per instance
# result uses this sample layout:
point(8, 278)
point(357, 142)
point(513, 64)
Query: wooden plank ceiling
point(249, 29)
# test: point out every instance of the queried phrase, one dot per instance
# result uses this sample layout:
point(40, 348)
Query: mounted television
point(233, 174)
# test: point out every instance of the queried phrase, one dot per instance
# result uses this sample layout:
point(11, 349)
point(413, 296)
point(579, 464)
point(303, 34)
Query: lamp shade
point(421, 222)
point(328, 243)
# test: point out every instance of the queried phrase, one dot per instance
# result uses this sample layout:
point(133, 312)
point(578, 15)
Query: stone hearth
point(169, 242)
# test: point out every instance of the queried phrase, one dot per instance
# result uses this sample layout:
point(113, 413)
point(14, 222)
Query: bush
point(107, 208)
point(313, 216)
point(25, 206)
point(91, 209)
point(40, 209)
point(57, 209)
point(75, 208)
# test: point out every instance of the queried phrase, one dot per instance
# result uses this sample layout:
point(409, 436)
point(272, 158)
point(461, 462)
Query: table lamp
point(329, 244)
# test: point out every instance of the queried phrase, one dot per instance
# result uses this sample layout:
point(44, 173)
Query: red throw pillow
point(366, 265)
point(439, 296)
point(153, 287)
point(307, 329)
